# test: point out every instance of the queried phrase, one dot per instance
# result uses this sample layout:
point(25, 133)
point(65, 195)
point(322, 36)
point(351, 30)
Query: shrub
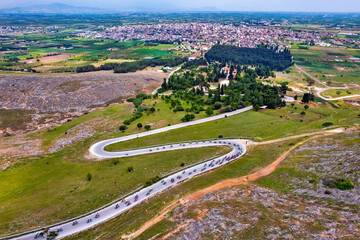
point(127, 122)
point(130, 169)
point(327, 124)
point(342, 184)
point(141, 95)
point(115, 162)
point(217, 105)
point(209, 111)
point(122, 127)
point(139, 125)
point(89, 176)
point(136, 101)
point(152, 181)
point(188, 117)
point(182, 164)
point(180, 109)
point(221, 136)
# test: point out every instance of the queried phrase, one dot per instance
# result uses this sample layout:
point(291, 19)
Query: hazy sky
point(233, 5)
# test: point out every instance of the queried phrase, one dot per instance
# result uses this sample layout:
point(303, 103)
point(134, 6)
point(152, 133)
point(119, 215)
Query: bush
point(342, 184)
point(127, 122)
point(209, 111)
point(142, 95)
point(139, 125)
point(136, 101)
point(152, 181)
point(327, 124)
point(115, 162)
point(89, 176)
point(147, 127)
point(188, 117)
point(122, 127)
point(345, 184)
point(217, 105)
point(180, 109)
point(182, 164)
point(221, 136)
point(130, 169)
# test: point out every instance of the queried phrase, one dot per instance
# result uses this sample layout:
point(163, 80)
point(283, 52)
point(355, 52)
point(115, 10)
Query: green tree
point(209, 111)
point(147, 127)
point(257, 107)
point(308, 97)
point(302, 113)
point(217, 105)
point(139, 125)
point(306, 107)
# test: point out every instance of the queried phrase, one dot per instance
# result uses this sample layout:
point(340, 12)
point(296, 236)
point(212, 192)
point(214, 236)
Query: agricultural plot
point(320, 63)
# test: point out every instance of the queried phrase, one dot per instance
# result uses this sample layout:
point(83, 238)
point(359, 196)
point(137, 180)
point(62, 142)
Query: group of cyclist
point(179, 177)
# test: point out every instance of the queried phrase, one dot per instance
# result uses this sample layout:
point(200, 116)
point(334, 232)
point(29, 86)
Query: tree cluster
point(269, 57)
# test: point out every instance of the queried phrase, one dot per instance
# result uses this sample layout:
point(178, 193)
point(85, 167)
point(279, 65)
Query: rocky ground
point(303, 212)
point(53, 99)
point(328, 159)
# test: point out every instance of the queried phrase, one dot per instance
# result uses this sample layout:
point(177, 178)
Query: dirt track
point(231, 182)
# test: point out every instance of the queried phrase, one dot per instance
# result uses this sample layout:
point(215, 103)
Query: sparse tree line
point(126, 67)
point(139, 111)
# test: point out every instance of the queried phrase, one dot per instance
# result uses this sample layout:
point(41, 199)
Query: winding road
point(319, 91)
point(117, 207)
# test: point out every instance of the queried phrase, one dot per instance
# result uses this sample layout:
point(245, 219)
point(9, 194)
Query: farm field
point(54, 54)
point(314, 61)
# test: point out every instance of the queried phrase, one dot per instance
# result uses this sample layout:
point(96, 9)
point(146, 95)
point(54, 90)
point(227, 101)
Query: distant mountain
point(54, 8)
point(205, 9)
point(125, 6)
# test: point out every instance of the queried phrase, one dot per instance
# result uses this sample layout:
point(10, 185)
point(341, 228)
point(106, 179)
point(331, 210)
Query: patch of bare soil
point(52, 58)
point(55, 98)
point(14, 148)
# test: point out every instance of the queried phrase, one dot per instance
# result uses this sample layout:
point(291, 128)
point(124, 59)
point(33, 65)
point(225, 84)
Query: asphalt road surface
point(109, 212)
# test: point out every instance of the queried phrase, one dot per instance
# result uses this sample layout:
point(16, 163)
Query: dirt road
point(232, 182)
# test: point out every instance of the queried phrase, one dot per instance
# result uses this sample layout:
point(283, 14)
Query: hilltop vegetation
point(243, 91)
point(270, 57)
